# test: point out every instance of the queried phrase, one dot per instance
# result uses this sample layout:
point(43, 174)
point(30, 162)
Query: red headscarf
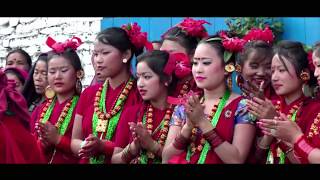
point(12, 100)
point(23, 73)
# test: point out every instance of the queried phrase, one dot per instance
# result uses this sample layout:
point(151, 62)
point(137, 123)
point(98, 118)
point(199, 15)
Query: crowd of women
point(171, 103)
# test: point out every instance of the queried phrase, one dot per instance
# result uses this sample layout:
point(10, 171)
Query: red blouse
point(300, 120)
point(225, 129)
point(86, 109)
point(63, 154)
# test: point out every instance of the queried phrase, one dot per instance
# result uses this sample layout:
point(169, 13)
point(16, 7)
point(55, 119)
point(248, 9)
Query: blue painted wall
point(303, 29)
point(306, 30)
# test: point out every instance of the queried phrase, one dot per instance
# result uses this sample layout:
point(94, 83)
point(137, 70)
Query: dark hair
point(294, 52)
point(178, 35)
point(217, 45)
point(22, 52)
point(69, 54)
point(317, 49)
point(29, 91)
point(118, 38)
point(262, 48)
point(17, 73)
point(157, 60)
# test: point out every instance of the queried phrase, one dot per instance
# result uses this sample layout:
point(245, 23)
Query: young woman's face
point(149, 85)
point(172, 47)
point(19, 84)
point(61, 75)
point(256, 69)
point(107, 60)
point(207, 68)
point(17, 60)
point(316, 63)
point(284, 81)
point(40, 76)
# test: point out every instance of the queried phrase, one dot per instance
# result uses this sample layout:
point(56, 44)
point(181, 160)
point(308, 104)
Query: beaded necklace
point(279, 153)
point(106, 122)
point(65, 116)
point(314, 130)
point(204, 146)
point(147, 156)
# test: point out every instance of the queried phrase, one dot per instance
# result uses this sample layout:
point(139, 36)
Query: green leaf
point(226, 56)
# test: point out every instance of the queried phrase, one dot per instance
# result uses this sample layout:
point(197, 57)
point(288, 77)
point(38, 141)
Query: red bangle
point(180, 142)
point(108, 148)
point(213, 138)
point(302, 148)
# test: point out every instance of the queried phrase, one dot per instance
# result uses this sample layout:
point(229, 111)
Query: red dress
point(225, 128)
point(302, 114)
point(17, 145)
point(308, 123)
point(135, 114)
point(86, 109)
point(63, 154)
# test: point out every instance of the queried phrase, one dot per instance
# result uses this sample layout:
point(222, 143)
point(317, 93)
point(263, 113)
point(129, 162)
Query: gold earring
point(124, 60)
point(80, 74)
point(238, 68)
point(305, 76)
point(229, 68)
point(49, 92)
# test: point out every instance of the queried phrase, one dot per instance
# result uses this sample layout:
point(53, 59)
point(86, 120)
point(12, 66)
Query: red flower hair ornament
point(138, 39)
point(179, 64)
point(59, 47)
point(194, 27)
point(231, 45)
point(259, 34)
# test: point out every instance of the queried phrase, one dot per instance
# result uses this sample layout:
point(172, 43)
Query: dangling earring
point(229, 68)
point(166, 84)
point(78, 86)
point(305, 76)
point(229, 81)
point(49, 92)
point(238, 68)
point(239, 80)
point(124, 60)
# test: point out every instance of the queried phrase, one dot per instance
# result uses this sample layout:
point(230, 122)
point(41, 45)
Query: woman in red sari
point(53, 119)
point(304, 137)
point(149, 122)
point(17, 143)
point(289, 64)
point(215, 126)
point(100, 106)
